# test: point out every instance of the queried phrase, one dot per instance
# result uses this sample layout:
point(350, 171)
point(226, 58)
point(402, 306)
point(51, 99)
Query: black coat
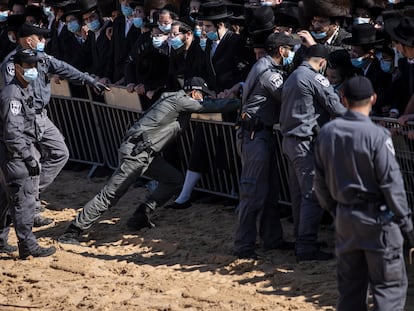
point(223, 69)
point(120, 46)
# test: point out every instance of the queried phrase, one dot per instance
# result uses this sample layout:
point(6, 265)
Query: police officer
point(53, 148)
point(308, 101)
point(358, 178)
point(19, 163)
point(138, 155)
point(259, 182)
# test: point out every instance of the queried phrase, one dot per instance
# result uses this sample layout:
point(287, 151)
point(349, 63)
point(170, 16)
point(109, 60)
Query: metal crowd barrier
point(94, 131)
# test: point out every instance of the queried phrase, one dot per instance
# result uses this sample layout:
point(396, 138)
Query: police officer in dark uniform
point(358, 178)
point(308, 101)
point(19, 159)
point(259, 183)
point(53, 148)
point(138, 155)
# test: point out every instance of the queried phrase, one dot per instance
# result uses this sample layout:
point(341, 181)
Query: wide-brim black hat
point(327, 8)
point(363, 34)
point(88, 5)
point(70, 9)
point(258, 39)
point(401, 30)
point(58, 4)
point(211, 11)
point(13, 2)
point(15, 21)
point(263, 19)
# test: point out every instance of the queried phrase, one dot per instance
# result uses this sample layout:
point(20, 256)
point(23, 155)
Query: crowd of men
point(299, 64)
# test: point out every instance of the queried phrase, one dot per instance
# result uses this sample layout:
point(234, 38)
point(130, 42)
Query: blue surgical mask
point(126, 10)
point(289, 59)
point(94, 25)
point(361, 20)
point(266, 3)
point(30, 74)
point(203, 43)
point(47, 10)
point(318, 35)
point(73, 26)
point(165, 28)
point(176, 43)
point(137, 22)
point(197, 32)
point(40, 46)
point(3, 16)
point(386, 65)
point(212, 35)
point(157, 42)
point(358, 62)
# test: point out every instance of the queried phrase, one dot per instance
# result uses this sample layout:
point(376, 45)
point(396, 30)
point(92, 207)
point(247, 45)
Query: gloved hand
point(32, 166)
point(100, 87)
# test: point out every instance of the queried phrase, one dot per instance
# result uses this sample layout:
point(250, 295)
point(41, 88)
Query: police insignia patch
point(276, 79)
point(10, 69)
point(390, 146)
point(322, 80)
point(15, 107)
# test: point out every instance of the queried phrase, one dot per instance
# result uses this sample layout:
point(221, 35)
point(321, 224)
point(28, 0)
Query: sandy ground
point(185, 263)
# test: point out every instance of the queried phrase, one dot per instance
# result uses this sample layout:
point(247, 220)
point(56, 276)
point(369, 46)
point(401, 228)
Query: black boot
point(71, 235)
point(37, 252)
point(7, 248)
point(141, 217)
point(40, 221)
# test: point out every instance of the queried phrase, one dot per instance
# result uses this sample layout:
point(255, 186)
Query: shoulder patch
point(10, 69)
point(276, 79)
point(390, 146)
point(15, 107)
point(322, 80)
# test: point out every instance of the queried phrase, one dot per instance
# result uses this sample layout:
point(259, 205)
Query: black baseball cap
point(198, 84)
point(28, 29)
point(317, 50)
point(26, 56)
point(358, 88)
point(277, 39)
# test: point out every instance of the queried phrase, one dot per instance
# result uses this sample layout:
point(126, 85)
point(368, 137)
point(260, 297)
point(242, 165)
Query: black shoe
point(40, 221)
point(71, 235)
point(247, 255)
point(284, 246)
point(7, 248)
point(39, 252)
point(315, 255)
point(176, 205)
point(141, 217)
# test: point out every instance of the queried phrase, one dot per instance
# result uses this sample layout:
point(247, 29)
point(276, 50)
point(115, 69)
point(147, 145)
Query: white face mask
point(12, 38)
point(361, 20)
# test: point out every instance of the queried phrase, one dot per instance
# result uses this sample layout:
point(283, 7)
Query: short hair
point(358, 103)
point(182, 27)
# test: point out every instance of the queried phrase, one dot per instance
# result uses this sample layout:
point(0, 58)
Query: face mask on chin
point(319, 35)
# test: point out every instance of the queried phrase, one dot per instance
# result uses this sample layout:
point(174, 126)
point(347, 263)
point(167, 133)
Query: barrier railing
point(94, 131)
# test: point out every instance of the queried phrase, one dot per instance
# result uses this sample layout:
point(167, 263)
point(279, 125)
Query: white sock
point(191, 179)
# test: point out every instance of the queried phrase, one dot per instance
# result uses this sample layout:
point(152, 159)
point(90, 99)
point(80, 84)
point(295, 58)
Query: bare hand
point(307, 39)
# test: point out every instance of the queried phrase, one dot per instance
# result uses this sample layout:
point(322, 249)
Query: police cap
point(26, 56)
point(317, 50)
point(358, 88)
point(275, 40)
point(198, 84)
point(28, 29)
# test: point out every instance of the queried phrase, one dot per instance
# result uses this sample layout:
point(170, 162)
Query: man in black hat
point(358, 179)
point(55, 153)
point(160, 125)
point(401, 31)
point(308, 102)
point(363, 40)
point(19, 159)
point(259, 181)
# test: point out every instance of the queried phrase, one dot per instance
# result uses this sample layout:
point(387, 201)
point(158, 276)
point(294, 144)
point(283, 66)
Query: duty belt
point(255, 125)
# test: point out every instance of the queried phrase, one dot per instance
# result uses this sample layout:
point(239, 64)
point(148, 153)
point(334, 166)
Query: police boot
point(71, 235)
point(24, 253)
point(7, 248)
point(141, 217)
point(40, 221)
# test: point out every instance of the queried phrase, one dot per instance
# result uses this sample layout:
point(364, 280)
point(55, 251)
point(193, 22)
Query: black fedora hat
point(258, 39)
point(70, 9)
point(401, 30)
point(211, 11)
point(363, 34)
point(263, 19)
point(88, 5)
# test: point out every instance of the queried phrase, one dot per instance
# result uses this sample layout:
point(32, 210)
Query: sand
point(185, 263)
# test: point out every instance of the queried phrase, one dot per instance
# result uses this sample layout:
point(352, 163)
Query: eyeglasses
point(175, 34)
